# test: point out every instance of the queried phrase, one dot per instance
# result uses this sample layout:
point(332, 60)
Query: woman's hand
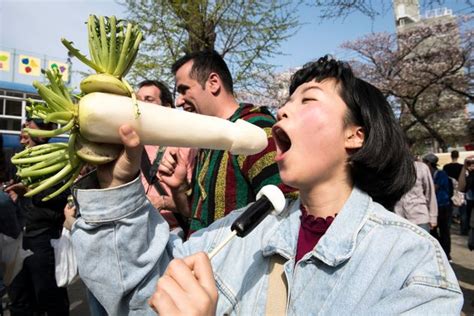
point(69, 216)
point(186, 288)
point(126, 167)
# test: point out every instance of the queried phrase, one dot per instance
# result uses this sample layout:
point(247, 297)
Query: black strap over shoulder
point(149, 171)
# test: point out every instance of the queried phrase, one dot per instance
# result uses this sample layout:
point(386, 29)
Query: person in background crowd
point(10, 221)
point(466, 184)
point(335, 250)
point(453, 169)
point(419, 205)
point(34, 289)
point(221, 182)
point(160, 195)
point(443, 198)
point(3, 163)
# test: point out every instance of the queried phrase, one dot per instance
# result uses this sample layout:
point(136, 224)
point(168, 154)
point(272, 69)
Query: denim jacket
point(369, 262)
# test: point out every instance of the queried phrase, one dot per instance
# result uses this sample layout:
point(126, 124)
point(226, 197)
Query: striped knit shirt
point(223, 182)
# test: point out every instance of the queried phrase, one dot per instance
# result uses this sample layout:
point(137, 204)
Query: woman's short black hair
point(383, 166)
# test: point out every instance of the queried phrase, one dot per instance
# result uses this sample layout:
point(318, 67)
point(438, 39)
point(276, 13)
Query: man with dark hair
point(453, 169)
point(203, 63)
point(221, 182)
point(154, 91)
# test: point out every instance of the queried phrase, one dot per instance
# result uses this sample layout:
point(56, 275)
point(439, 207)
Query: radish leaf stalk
point(113, 46)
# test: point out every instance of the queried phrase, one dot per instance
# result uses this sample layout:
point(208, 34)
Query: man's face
point(25, 139)
point(191, 96)
point(150, 94)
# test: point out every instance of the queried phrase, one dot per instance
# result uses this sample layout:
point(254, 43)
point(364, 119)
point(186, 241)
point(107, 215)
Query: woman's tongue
point(283, 143)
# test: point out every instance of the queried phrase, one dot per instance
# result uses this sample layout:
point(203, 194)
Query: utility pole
point(69, 68)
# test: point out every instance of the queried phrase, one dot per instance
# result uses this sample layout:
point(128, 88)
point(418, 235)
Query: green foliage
point(246, 33)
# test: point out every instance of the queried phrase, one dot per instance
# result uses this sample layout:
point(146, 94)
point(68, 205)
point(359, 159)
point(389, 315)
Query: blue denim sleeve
point(123, 245)
point(431, 287)
point(120, 244)
point(420, 298)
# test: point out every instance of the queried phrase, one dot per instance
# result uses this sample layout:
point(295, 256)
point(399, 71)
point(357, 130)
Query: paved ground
point(463, 265)
point(77, 297)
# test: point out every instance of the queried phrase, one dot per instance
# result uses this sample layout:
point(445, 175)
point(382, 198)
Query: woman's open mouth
point(282, 141)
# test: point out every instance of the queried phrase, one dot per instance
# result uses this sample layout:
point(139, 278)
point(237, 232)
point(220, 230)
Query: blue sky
point(36, 26)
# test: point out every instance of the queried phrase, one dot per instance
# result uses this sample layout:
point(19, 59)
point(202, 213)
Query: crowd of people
point(36, 222)
point(355, 236)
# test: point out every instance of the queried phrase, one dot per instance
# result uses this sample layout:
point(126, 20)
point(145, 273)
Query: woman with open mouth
point(336, 250)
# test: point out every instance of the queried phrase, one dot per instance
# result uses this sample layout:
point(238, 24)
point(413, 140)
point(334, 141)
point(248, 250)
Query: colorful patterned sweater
point(223, 182)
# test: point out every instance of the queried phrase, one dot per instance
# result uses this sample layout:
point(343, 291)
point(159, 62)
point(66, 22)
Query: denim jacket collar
point(338, 243)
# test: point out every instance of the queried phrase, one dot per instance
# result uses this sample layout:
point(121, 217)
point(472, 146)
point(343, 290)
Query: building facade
point(435, 60)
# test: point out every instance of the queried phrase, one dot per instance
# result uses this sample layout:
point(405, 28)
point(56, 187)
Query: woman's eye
point(306, 100)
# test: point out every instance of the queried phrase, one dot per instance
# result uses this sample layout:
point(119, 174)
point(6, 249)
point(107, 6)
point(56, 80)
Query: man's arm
point(173, 172)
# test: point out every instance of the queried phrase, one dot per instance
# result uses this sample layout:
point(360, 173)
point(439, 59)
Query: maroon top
point(311, 230)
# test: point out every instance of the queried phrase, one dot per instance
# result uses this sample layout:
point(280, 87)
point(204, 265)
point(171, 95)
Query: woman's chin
point(289, 180)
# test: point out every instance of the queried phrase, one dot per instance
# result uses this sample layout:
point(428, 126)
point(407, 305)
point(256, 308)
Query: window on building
point(14, 94)
point(33, 96)
point(9, 124)
point(13, 107)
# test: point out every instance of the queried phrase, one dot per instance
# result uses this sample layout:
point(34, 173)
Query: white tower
point(406, 12)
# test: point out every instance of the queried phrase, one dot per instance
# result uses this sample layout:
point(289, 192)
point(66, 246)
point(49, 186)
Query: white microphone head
point(275, 196)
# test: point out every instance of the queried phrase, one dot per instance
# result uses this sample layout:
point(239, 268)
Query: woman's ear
point(355, 137)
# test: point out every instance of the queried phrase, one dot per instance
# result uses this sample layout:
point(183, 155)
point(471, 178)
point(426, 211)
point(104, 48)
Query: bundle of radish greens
point(107, 102)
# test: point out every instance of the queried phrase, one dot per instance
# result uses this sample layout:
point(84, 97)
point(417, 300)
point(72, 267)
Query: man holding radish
point(221, 182)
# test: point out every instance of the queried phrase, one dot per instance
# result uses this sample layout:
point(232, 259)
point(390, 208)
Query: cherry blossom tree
point(425, 73)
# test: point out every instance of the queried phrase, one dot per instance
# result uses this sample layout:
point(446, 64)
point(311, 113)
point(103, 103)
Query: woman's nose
point(282, 112)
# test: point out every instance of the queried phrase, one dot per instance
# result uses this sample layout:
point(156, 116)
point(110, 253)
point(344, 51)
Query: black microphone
point(269, 198)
